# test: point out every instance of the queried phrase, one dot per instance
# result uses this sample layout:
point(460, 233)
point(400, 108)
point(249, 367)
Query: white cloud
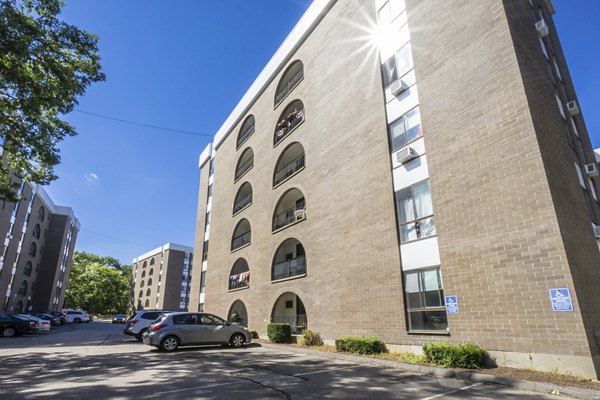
point(91, 177)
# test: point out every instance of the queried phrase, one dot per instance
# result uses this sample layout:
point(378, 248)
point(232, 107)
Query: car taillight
point(133, 321)
point(32, 324)
point(157, 327)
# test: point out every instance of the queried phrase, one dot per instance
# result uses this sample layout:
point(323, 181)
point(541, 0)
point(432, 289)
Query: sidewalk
point(470, 376)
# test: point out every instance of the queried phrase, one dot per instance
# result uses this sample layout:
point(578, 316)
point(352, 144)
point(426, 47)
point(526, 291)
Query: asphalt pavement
point(95, 360)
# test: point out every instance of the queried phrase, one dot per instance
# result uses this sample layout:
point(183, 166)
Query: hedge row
point(279, 333)
point(463, 355)
point(360, 345)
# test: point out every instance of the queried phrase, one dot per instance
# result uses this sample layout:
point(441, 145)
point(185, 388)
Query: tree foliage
point(45, 64)
point(97, 284)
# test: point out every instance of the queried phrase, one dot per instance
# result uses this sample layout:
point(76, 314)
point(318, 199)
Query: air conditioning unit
point(9, 236)
point(573, 107)
point(591, 169)
point(397, 87)
point(596, 231)
point(300, 214)
point(542, 28)
point(406, 154)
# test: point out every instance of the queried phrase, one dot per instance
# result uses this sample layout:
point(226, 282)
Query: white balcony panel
point(398, 106)
point(420, 254)
point(204, 265)
point(201, 297)
point(410, 173)
point(207, 233)
point(209, 204)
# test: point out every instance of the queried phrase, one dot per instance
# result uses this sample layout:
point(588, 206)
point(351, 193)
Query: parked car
point(187, 329)
point(11, 325)
point(76, 316)
point(41, 325)
point(60, 315)
point(54, 321)
point(139, 322)
point(119, 319)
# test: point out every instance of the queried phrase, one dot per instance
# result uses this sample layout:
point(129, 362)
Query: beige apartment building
point(37, 251)
point(415, 170)
point(161, 278)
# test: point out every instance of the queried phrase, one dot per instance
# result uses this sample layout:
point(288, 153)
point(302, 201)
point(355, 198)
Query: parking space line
point(326, 370)
point(452, 391)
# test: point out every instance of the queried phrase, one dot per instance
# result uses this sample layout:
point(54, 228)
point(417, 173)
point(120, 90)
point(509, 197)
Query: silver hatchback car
point(172, 330)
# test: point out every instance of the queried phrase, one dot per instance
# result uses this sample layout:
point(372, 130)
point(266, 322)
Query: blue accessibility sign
point(451, 304)
point(561, 299)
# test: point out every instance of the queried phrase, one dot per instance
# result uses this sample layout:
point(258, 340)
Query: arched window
point(291, 117)
point(291, 208)
point(241, 235)
point(141, 293)
point(243, 198)
point(289, 309)
point(291, 161)
point(148, 292)
point(28, 268)
point(244, 164)
point(142, 283)
point(147, 303)
point(145, 264)
point(32, 249)
point(23, 288)
point(292, 76)
point(36, 231)
point(19, 307)
point(239, 276)
point(143, 274)
point(152, 261)
point(41, 213)
point(246, 131)
point(151, 272)
point(149, 281)
point(289, 260)
point(237, 313)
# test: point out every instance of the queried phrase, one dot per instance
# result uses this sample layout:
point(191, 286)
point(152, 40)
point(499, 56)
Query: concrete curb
point(475, 377)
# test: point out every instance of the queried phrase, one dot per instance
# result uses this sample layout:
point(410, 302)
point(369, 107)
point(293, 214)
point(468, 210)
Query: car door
point(213, 329)
point(187, 328)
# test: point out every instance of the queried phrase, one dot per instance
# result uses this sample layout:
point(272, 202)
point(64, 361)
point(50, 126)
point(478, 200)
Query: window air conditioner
point(573, 107)
point(542, 28)
point(591, 169)
point(397, 87)
point(300, 214)
point(596, 231)
point(406, 154)
point(9, 236)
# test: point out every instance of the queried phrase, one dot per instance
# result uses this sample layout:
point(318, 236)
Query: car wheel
point(77, 320)
point(140, 336)
point(9, 332)
point(170, 343)
point(237, 340)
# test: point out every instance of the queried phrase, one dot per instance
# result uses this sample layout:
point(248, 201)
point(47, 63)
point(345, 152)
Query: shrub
point(279, 333)
point(360, 345)
point(310, 338)
point(463, 355)
point(253, 334)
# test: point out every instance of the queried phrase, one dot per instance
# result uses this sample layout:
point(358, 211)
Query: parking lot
point(95, 360)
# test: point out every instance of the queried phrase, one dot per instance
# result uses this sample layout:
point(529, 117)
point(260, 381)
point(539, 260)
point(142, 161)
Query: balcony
point(240, 241)
point(292, 77)
point(290, 162)
point(246, 162)
point(289, 268)
point(242, 203)
point(239, 276)
point(246, 131)
point(290, 119)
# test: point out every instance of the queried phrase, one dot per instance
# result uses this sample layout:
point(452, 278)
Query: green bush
point(463, 355)
point(279, 333)
point(360, 345)
point(253, 334)
point(310, 338)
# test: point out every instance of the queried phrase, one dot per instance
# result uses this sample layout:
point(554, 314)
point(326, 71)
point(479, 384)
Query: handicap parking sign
point(451, 304)
point(561, 299)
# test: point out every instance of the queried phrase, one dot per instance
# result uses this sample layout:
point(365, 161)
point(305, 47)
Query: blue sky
point(184, 65)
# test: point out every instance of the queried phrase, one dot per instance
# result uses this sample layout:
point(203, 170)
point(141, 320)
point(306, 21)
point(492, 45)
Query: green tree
point(97, 284)
point(45, 64)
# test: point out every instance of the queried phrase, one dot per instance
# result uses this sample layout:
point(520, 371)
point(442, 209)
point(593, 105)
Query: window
point(244, 164)
point(32, 249)
point(148, 292)
point(397, 65)
point(211, 168)
point(246, 131)
point(143, 274)
point(290, 79)
point(152, 261)
point(36, 231)
point(150, 273)
point(28, 268)
point(205, 251)
point(291, 117)
point(415, 212)
point(149, 281)
point(242, 235)
point(580, 176)
point(560, 106)
point(425, 300)
point(141, 293)
point(203, 279)
point(544, 50)
point(406, 129)
point(41, 213)
point(593, 189)
point(557, 70)
point(207, 221)
point(209, 193)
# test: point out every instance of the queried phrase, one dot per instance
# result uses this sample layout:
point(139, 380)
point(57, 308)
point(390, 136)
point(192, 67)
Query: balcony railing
point(419, 229)
point(288, 124)
point(22, 291)
point(249, 130)
point(240, 240)
point(289, 170)
point(298, 322)
point(289, 268)
point(287, 88)
point(27, 271)
point(243, 202)
point(289, 216)
point(240, 280)
point(245, 166)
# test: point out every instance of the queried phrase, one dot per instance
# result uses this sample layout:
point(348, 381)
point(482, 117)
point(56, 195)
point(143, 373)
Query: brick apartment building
point(161, 278)
point(415, 170)
point(37, 251)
